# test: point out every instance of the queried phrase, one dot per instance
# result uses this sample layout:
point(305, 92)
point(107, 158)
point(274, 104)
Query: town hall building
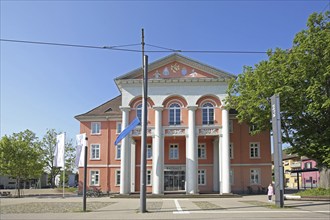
point(194, 142)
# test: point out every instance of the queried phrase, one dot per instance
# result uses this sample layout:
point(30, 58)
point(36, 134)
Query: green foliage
point(21, 156)
point(48, 146)
point(301, 77)
point(315, 192)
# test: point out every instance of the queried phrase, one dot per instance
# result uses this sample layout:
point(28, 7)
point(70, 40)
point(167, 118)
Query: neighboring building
point(310, 175)
point(291, 162)
point(300, 172)
point(10, 183)
point(195, 144)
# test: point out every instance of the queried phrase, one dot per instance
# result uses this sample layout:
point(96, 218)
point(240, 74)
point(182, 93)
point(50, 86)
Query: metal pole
point(277, 141)
point(143, 184)
point(85, 177)
point(64, 165)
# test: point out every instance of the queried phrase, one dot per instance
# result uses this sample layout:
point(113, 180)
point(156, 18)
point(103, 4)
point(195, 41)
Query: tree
point(21, 157)
point(301, 76)
point(48, 146)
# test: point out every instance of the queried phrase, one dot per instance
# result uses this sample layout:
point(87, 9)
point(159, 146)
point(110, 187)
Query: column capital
point(158, 108)
point(124, 108)
point(224, 107)
point(192, 107)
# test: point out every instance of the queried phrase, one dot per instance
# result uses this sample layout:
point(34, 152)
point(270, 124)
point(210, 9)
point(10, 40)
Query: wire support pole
point(143, 177)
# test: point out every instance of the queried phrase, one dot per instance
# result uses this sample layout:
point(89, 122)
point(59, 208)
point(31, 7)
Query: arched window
point(139, 112)
point(208, 113)
point(175, 114)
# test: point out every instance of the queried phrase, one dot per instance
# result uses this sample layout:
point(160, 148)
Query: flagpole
point(64, 165)
point(85, 176)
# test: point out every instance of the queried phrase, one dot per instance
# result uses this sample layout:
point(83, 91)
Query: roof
point(109, 109)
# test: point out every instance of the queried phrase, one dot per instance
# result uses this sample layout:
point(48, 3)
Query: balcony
point(296, 165)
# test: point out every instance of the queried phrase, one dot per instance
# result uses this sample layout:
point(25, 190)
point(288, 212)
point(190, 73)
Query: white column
point(158, 154)
point(225, 159)
point(216, 165)
point(125, 156)
point(133, 151)
point(191, 154)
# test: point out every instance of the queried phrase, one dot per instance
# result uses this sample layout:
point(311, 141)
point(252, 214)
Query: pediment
point(177, 66)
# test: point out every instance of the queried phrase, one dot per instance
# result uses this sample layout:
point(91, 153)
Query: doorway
point(174, 180)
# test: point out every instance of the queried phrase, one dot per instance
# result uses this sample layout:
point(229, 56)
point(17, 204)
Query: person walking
point(270, 192)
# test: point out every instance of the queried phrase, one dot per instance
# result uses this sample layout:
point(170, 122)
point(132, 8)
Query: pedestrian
point(270, 192)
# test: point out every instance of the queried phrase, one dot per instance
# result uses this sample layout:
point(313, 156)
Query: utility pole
point(143, 185)
point(277, 141)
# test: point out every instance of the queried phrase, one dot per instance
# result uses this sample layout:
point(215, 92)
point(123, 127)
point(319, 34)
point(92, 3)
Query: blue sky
point(44, 87)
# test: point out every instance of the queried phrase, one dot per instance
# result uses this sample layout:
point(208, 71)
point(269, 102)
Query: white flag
point(59, 151)
point(80, 150)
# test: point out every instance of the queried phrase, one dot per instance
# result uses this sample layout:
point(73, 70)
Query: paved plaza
point(246, 207)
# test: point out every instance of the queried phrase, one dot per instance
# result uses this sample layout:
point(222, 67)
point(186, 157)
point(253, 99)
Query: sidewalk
point(246, 207)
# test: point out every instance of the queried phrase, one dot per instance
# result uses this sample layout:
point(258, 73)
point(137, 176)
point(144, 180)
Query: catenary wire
point(166, 50)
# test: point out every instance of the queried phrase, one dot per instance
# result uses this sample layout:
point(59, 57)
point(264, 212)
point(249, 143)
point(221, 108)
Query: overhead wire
point(119, 48)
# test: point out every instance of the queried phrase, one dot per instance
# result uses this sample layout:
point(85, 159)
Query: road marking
point(178, 207)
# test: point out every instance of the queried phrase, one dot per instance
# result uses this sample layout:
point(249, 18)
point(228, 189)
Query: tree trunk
point(18, 184)
point(324, 178)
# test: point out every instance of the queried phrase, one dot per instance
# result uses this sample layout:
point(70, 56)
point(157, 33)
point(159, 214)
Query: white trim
point(259, 176)
point(116, 152)
point(231, 126)
point(205, 177)
point(117, 123)
point(169, 151)
point(150, 177)
point(231, 150)
point(255, 147)
point(90, 177)
point(91, 150)
point(250, 164)
point(92, 125)
point(149, 145)
point(205, 150)
point(174, 101)
point(116, 179)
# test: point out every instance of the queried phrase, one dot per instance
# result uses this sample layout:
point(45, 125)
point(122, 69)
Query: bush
point(315, 192)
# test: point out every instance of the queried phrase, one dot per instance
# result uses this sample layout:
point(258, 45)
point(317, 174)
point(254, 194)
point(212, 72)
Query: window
point(308, 165)
point(174, 152)
point(175, 112)
point(117, 177)
point(95, 177)
point(139, 112)
point(201, 151)
point(231, 177)
point(95, 151)
point(254, 150)
point(231, 126)
point(201, 177)
point(254, 176)
point(118, 151)
point(149, 151)
point(96, 127)
point(231, 151)
point(252, 128)
point(208, 113)
point(149, 177)
point(118, 128)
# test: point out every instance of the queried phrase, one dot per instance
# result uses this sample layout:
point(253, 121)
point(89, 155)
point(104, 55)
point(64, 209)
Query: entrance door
point(174, 180)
